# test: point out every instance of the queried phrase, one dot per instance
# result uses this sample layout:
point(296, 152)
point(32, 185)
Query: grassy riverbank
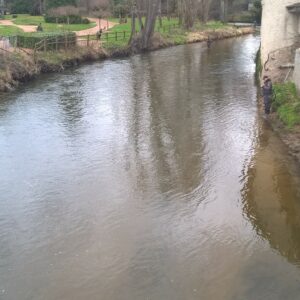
point(21, 66)
point(286, 102)
point(172, 33)
point(285, 116)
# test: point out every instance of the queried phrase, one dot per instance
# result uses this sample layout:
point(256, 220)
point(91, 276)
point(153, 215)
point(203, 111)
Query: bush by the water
point(72, 19)
point(287, 103)
point(55, 40)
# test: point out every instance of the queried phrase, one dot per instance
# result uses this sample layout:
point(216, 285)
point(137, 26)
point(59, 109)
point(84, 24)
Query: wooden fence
point(55, 43)
point(66, 42)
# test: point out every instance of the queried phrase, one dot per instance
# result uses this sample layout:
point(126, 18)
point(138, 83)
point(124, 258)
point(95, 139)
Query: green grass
point(175, 35)
point(48, 27)
point(178, 36)
point(111, 44)
point(127, 26)
point(9, 30)
point(287, 103)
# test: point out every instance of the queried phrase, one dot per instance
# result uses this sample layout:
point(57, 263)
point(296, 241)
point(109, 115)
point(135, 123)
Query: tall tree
point(224, 10)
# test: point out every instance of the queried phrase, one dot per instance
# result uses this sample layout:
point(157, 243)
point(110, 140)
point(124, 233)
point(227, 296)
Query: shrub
point(72, 19)
point(30, 40)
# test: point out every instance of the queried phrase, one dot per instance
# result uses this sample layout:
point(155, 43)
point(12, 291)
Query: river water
point(151, 177)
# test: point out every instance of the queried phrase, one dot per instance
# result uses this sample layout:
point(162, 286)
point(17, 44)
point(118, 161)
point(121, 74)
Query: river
point(152, 177)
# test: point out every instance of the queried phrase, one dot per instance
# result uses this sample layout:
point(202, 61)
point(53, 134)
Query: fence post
point(116, 34)
point(124, 35)
point(45, 44)
point(106, 36)
point(56, 43)
point(88, 41)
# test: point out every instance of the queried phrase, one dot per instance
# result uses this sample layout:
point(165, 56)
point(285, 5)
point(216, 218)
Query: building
point(279, 37)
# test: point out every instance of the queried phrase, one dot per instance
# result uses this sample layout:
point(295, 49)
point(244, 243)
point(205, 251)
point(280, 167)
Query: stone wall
point(296, 75)
point(279, 35)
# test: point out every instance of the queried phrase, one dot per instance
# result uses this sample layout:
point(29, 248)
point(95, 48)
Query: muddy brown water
point(152, 177)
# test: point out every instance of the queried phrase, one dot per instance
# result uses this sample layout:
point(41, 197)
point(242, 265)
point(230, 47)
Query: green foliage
point(29, 40)
point(258, 64)
point(257, 11)
point(22, 6)
point(287, 103)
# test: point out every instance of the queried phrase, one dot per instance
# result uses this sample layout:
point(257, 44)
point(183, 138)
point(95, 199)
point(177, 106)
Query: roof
point(294, 8)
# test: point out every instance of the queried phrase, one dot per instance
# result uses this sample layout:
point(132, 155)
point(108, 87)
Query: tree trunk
point(133, 24)
point(188, 10)
point(140, 17)
point(159, 14)
point(152, 11)
point(88, 6)
point(168, 10)
point(180, 12)
point(224, 10)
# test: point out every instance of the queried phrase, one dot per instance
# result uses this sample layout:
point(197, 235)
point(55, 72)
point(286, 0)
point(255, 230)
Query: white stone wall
point(296, 76)
point(279, 27)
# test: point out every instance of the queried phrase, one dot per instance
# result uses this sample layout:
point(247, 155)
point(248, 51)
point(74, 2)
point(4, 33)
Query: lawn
point(48, 27)
point(9, 30)
point(176, 34)
point(127, 26)
point(166, 23)
point(120, 28)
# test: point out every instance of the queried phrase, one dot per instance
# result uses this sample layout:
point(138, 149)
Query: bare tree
point(66, 11)
point(91, 6)
point(224, 10)
point(204, 9)
point(189, 12)
point(148, 9)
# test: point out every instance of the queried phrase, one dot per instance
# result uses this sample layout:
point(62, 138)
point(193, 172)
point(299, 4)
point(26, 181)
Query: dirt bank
point(19, 67)
point(290, 137)
point(218, 34)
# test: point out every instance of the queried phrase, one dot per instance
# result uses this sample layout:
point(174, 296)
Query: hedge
point(72, 19)
point(54, 40)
